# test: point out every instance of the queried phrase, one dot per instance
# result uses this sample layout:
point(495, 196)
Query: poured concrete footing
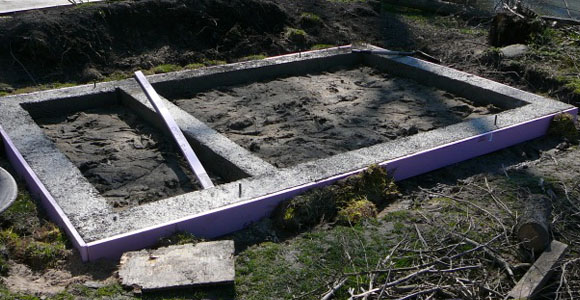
point(98, 230)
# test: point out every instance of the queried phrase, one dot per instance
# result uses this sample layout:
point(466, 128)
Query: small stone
point(514, 51)
point(93, 284)
point(241, 123)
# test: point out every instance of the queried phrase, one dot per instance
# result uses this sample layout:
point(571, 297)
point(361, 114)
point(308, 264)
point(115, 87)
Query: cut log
point(533, 227)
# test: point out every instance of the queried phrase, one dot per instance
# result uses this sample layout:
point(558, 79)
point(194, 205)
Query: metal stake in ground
point(178, 136)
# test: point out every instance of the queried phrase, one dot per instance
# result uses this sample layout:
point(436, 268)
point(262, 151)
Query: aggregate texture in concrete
point(98, 230)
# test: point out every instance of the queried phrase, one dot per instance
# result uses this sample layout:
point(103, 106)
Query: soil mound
point(110, 35)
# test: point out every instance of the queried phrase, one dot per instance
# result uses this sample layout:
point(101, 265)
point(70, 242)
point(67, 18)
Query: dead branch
point(333, 290)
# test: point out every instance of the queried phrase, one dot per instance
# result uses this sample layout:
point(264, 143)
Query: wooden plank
point(178, 136)
point(539, 273)
point(179, 266)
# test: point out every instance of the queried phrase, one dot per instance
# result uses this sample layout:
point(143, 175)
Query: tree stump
point(533, 227)
point(514, 26)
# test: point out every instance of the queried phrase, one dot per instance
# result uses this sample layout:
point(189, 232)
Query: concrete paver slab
point(179, 266)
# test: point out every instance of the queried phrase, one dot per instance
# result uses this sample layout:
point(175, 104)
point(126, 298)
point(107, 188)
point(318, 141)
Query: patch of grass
point(117, 75)
point(179, 238)
point(310, 18)
point(109, 290)
point(40, 87)
point(194, 66)
point(22, 215)
point(214, 62)
point(321, 46)
point(44, 250)
point(253, 57)
point(309, 262)
point(165, 68)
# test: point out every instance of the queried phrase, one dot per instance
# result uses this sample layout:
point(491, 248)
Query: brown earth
point(296, 119)
point(126, 160)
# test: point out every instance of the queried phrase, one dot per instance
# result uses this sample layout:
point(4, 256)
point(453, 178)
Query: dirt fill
point(126, 160)
point(297, 119)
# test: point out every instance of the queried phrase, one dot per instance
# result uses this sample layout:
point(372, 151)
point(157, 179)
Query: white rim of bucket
point(8, 190)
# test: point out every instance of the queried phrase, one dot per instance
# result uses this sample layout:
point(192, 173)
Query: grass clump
point(309, 19)
point(563, 126)
point(356, 211)
point(194, 66)
point(295, 35)
point(355, 197)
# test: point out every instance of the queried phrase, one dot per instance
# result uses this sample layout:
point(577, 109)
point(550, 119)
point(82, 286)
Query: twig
point(498, 259)
point(421, 236)
point(506, 235)
point(393, 283)
point(413, 295)
point(333, 290)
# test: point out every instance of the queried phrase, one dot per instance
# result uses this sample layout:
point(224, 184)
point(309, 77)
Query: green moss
point(43, 250)
point(323, 204)
point(356, 211)
point(563, 125)
point(165, 68)
point(117, 75)
point(253, 57)
point(179, 238)
point(214, 62)
point(109, 290)
point(321, 46)
point(194, 66)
